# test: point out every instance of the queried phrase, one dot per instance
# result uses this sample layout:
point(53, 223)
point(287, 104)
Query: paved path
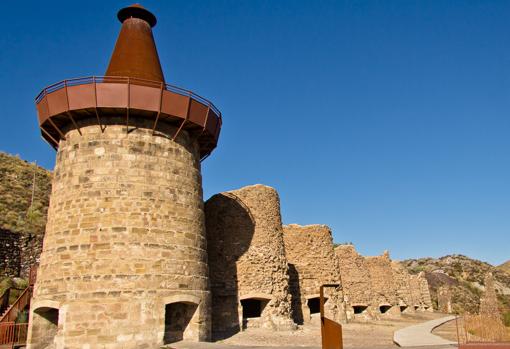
point(421, 334)
point(185, 345)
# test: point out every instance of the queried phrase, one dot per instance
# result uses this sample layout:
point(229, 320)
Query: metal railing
point(4, 301)
point(12, 334)
point(124, 80)
point(19, 305)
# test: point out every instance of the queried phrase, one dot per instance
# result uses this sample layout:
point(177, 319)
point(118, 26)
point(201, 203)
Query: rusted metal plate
point(332, 337)
point(145, 98)
point(198, 113)
point(42, 111)
point(112, 95)
point(331, 331)
point(57, 102)
point(485, 346)
point(175, 104)
point(81, 96)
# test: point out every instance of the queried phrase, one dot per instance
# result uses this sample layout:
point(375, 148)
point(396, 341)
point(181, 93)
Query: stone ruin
point(420, 293)
point(356, 283)
point(489, 305)
point(403, 285)
point(384, 288)
point(444, 299)
point(248, 267)
point(312, 263)
point(425, 297)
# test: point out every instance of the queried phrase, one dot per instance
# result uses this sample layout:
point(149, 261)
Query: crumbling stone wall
point(125, 238)
point(312, 263)
point(383, 284)
point(444, 299)
point(30, 247)
point(415, 287)
point(426, 299)
point(356, 282)
point(18, 252)
point(489, 305)
point(9, 253)
point(247, 259)
point(402, 282)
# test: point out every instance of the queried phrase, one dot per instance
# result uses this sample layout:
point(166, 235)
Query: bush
point(506, 319)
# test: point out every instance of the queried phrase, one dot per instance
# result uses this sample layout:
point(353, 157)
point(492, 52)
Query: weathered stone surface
point(384, 288)
point(444, 299)
point(125, 238)
point(489, 305)
point(312, 263)
point(420, 292)
point(18, 252)
point(402, 281)
point(356, 283)
point(248, 268)
point(426, 299)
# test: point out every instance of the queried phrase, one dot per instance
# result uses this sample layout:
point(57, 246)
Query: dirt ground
point(373, 334)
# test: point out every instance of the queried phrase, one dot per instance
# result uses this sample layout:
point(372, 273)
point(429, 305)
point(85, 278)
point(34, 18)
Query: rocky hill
point(18, 181)
point(505, 267)
point(465, 276)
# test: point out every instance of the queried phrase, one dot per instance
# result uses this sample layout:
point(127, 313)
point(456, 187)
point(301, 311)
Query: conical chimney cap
point(135, 53)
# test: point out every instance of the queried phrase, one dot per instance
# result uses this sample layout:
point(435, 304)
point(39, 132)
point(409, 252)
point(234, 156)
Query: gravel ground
point(358, 335)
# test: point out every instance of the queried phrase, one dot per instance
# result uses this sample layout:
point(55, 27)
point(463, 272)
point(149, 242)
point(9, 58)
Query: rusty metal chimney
point(135, 53)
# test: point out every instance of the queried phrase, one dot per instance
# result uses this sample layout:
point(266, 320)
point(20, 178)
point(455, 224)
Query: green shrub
point(506, 319)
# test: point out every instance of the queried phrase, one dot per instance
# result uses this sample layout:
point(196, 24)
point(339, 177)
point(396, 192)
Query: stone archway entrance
point(384, 308)
point(180, 322)
point(44, 327)
point(314, 304)
point(359, 309)
point(253, 311)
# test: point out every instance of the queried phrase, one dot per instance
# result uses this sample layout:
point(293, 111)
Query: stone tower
point(124, 262)
point(313, 263)
point(489, 304)
point(248, 267)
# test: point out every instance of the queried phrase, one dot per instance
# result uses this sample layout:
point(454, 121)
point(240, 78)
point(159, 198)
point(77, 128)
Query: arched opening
point(178, 322)
point(44, 327)
point(403, 308)
point(416, 307)
point(253, 308)
point(384, 308)
point(426, 307)
point(314, 304)
point(359, 309)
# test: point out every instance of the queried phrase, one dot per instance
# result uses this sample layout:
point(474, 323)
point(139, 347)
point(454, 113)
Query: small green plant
point(506, 319)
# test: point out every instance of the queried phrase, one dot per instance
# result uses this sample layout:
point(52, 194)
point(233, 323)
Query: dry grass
point(478, 328)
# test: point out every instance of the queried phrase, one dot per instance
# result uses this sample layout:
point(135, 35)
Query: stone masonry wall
point(247, 259)
point(489, 304)
point(10, 253)
point(18, 252)
point(312, 263)
point(402, 281)
point(356, 282)
point(426, 299)
point(383, 285)
point(444, 299)
point(125, 238)
point(415, 287)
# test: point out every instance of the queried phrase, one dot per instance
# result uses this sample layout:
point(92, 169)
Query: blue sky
point(386, 120)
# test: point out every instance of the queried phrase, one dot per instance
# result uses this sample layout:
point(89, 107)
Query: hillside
point(505, 267)
point(465, 276)
point(17, 214)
